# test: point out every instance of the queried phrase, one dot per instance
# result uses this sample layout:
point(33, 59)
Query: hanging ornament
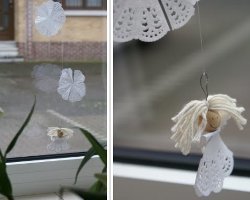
point(46, 77)
point(50, 18)
point(201, 122)
point(60, 132)
point(59, 138)
point(71, 85)
point(145, 19)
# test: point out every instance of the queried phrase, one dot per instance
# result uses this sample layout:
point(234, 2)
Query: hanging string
point(204, 84)
point(204, 75)
point(62, 51)
point(49, 49)
point(200, 29)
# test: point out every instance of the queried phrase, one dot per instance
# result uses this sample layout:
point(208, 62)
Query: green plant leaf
point(5, 184)
point(14, 140)
point(87, 157)
point(1, 157)
point(102, 178)
point(91, 152)
point(84, 194)
point(1, 112)
point(104, 169)
point(99, 149)
point(98, 187)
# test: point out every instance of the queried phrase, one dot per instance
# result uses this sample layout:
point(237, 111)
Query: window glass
point(153, 81)
point(74, 3)
point(84, 4)
point(94, 3)
point(33, 65)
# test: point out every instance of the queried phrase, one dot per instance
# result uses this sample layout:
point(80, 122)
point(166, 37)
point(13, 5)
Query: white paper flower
point(145, 19)
point(46, 77)
point(71, 85)
point(50, 18)
point(56, 132)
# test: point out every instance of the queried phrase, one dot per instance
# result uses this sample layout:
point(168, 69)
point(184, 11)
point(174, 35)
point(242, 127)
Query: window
point(152, 81)
point(37, 157)
point(84, 4)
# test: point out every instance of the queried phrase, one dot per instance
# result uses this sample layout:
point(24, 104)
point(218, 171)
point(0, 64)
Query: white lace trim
point(179, 12)
point(139, 19)
point(145, 19)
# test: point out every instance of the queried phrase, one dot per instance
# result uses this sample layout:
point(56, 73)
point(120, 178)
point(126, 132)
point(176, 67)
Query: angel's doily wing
point(46, 76)
point(193, 2)
point(50, 18)
point(146, 20)
point(71, 86)
point(152, 24)
point(216, 164)
point(178, 12)
point(140, 19)
point(124, 20)
point(118, 6)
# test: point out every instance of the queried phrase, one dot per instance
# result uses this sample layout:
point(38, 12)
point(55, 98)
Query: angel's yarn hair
point(187, 129)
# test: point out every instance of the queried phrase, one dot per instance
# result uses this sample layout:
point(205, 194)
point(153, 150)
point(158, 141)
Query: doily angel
point(59, 139)
point(201, 122)
point(145, 20)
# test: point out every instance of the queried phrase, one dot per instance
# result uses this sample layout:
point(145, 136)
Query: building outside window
point(84, 4)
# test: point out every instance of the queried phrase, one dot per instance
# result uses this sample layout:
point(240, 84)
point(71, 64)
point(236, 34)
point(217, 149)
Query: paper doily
point(46, 77)
point(146, 20)
point(216, 164)
point(71, 85)
point(50, 18)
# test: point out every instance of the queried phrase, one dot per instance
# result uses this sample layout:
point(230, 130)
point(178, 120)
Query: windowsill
point(95, 13)
point(174, 176)
point(46, 176)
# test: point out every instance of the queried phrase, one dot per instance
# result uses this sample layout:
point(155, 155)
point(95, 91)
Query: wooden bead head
point(213, 120)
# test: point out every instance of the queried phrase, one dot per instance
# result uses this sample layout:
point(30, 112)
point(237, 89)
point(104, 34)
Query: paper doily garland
point(71, 85)
point(145, 19)
point(46, 77)
point(50, 18)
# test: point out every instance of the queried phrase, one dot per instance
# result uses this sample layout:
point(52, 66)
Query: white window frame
point(46, 176)
point(174, 176)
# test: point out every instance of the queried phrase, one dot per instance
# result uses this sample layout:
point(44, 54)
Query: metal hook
point(204, 89)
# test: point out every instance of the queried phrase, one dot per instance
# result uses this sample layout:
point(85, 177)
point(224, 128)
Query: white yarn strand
point(187, 130)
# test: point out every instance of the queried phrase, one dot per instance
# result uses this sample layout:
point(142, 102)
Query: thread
point(200, 34)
